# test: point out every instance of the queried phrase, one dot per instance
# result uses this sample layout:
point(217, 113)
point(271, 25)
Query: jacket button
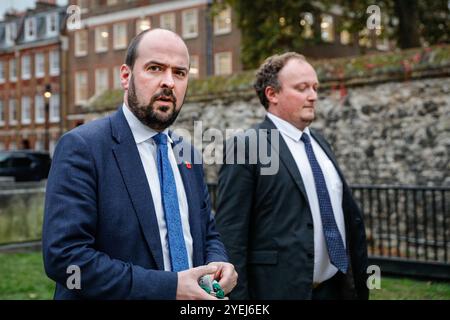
point(310, 255)
point(310, 225)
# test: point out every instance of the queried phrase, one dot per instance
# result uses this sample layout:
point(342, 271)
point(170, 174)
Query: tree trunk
point(407, 12)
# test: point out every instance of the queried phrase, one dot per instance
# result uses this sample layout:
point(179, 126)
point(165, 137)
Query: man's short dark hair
point(267, 74)
point(131, 56)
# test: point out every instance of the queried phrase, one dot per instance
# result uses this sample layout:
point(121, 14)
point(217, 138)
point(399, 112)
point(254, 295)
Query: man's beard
point(147, 113)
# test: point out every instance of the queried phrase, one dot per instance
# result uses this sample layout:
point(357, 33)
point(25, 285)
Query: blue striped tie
point(335, 245)
point(177, 246)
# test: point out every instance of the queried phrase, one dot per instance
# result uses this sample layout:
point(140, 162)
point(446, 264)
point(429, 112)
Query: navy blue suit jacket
point(99, 216)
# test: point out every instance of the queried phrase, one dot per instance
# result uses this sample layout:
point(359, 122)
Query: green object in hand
point(218, 290)
point(211, 287)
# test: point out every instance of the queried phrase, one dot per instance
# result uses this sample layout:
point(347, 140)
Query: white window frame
point(223, 15)
point(141, 21)
point(194, 71)
point(54, 104)
point(30, 25)
point(13, 67)
point(25, 110)
point(2, 71)
point(39, 144)
point(39, 60)
point(118, 45)
point(78, 99)
point(26, 66)
point(77, 43)
point(2, 113)
point(100, 85)
point(187, 34)
point(48, 20)
point(116, 77)
point(99, 38)
point(10, 33)
point(13, 114)
point(39, 109)
point(53, 59)
point(168, 21)
point(217, 58)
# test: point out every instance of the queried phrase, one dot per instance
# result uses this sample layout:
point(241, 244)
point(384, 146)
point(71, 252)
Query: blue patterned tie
point(335, 245)
point(177, 246)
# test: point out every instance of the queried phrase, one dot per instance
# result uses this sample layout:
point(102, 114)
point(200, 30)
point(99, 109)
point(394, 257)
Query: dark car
point(25, 165)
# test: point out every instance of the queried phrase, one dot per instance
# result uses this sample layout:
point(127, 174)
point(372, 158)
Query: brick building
point(30, 65)
point(97, 46)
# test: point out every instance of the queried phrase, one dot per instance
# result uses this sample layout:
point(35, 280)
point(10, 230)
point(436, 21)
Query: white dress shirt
point(323, 269)
point(147, 151)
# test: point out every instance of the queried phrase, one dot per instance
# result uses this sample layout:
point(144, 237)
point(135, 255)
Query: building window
point(12, 111)
point(26, 110)
point(39, 65)
point(222, 63)
point(12, 145)
point(120, 35)
point(2, 72)
point(26, 67)
point(54, 108)
point(81, 43)
point(101, 39)
point(81, 87)
point(222, 22)
point(112, 2)
point(13, 69)
point(306, 22)
point(2, 113)
point(52, 24)
point(101, 80)
point(39, 144)
point(116, 76)
point(30, 29)
point(194, 71)
point(39, 107)
point(142, 25)
point(190, 23)
point(10, 33)
point(327, 28)
point(54, 62)
point(345, 37)
point(167, 21)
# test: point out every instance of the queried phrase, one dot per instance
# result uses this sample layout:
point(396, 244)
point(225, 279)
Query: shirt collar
point(140, 131)
point(286, 128)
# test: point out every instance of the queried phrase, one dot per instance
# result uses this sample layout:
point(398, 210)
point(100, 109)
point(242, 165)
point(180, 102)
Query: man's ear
point(271, 95)
point(125, 76)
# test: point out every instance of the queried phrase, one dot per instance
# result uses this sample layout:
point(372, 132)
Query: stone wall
point(382, 133)
point(21, 211)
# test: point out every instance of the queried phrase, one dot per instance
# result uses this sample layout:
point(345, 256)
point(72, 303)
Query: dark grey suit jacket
point(266, 225)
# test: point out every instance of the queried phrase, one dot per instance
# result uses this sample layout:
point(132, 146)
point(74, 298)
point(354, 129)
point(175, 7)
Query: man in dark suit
point(295, 232)
point(122, 207)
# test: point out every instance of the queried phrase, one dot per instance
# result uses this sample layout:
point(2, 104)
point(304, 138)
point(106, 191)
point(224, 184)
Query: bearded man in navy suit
point(131, 213)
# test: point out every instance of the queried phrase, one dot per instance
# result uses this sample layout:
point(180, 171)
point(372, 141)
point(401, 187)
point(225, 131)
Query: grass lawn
point(22, 277)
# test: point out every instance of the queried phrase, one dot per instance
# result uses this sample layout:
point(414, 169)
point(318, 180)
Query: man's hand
point(226, 275)
point(188, 287)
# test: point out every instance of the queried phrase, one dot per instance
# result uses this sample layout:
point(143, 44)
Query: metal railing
point(404, 224)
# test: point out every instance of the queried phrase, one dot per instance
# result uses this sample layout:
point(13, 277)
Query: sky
point(21, 5)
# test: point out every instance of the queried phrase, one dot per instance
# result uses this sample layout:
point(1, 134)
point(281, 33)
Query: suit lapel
point(133, 174)
point(285, 156)
point(194, 218)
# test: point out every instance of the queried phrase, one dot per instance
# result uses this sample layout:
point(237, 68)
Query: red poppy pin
point(188, 164)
